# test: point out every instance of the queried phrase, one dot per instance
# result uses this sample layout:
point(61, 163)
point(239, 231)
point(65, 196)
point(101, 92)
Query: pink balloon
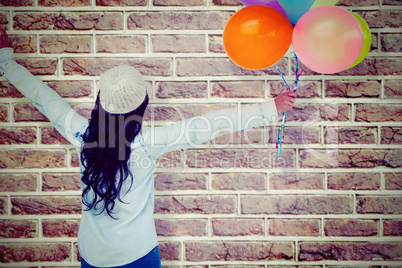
point(327, 39)
point(269, 3)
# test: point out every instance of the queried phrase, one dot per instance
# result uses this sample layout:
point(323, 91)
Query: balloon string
point(283, 78)
point(281, 132)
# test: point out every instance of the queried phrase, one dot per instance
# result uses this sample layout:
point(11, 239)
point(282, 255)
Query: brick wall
point(332, 200)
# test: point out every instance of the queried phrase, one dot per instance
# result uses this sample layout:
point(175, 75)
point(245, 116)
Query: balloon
point(269, 3)
point(256, 37)
point(366, 40)
point(295, 8)
point(319, 3)
point(328, 39)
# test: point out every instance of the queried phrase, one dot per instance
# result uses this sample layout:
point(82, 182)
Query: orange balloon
point(257, 37)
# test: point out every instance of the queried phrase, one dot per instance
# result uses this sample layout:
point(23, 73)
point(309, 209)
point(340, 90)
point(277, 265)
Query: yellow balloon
point(366, 40)
point(319, 3)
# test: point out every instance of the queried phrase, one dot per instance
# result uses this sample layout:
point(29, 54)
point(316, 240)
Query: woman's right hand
point(4, 40)
point(285, 101)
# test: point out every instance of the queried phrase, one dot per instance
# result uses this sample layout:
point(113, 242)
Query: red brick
point(202, 251)
point(23, 43)
point(367, 112)
point(49, 135)
point(17, 135)
point(358, 3)
point(393, 181)
point(382, 18)
point(226, 2)
point(169, 250)
point(178, 43)
point(18, 182)
point(296, 204)
point(121, 2)
point(374, 42)
point(60, 228)
point(74, 161)
point(350, 251)
point(4, 20)
point(391, 135)
point(378, 205)
point(391, 42)
point(61, 182)
point(347, 227)
point(238, 227)
point(296, 181)
point(195, 204)
point(354, 181)
point(68, 21)
point(392, 89)
point(65, 88)
point(121, 44)
point(295, 135)
point(18, 228)
point(44, 205)
point(285, 227)
point(39, 66)
point(76, 253)
point(16, 3)
point(249, 138)
point(239, 181)
point(239, 158)
point(181, 90)
point(350, 135)
point(241, 89)
point(28, 112)
point(221, 66)
point(34, 252)
point(215, 44)
point(211, 20)
point(3, 205)
point(7, 90)
point(97, 66)
point(65, 44)
point(181, 227)
point(392, 227)
point(391, 2)
point(180, 112)
point(4, 113)
point(305, 89)
point(170, 160)
point(64, 3)
point(180, 181)
point(346, 89)
point(32, 158)
point(178, 3)
point(318, 112)
point(368, 158)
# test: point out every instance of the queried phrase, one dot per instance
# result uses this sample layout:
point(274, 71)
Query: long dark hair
point(105, 153)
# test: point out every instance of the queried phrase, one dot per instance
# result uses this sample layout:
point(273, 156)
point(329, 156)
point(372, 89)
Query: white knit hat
point(122, 89)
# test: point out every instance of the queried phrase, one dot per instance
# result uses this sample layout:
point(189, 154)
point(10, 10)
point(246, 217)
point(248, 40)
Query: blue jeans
point(151, 260)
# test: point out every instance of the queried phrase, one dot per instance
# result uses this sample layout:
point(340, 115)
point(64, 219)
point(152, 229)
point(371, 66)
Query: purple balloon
point(269, 3)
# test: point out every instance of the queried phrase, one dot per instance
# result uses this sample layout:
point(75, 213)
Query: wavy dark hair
point(105, 153)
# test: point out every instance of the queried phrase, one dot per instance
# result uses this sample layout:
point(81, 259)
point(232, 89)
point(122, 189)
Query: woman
point(118, 157)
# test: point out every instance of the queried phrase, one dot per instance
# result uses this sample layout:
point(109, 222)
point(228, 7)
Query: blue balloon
point(295, 8)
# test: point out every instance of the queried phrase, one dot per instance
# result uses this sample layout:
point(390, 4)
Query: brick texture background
point(332, 200)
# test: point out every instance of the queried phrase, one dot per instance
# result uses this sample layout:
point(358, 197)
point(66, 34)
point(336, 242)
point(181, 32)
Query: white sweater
point(103, 241)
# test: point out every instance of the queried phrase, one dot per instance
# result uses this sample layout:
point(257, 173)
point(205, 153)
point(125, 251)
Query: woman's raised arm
point(47, 101)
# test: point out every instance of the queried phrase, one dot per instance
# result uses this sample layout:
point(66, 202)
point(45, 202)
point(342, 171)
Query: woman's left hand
point(285, 101)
